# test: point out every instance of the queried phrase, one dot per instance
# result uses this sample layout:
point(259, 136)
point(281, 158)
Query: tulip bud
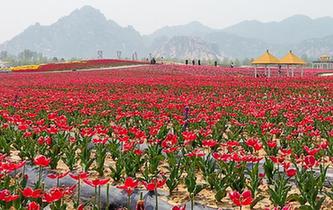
point(140, 205)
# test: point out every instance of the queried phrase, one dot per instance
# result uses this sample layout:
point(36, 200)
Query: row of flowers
point(36, 198)
point(85, 64)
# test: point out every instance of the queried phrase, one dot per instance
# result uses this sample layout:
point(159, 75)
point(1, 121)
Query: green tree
point(237, 62)
point(246, 62)
point(226, 62)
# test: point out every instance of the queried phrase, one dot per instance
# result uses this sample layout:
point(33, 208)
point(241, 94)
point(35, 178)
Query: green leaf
point(220, 195)
point(319, 203)
point(329, 194)
point(256, 200)
point(305, 207)
point(293, 197)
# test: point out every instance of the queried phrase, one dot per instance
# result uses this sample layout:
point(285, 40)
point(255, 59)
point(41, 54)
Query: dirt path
point(325, 74)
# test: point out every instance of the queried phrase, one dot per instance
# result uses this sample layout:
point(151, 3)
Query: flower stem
point(39, 177)
point(99, 198)
point(78, 191)
point(107, 196)
point(95, 196)
point(156, 198)
point(129, 202)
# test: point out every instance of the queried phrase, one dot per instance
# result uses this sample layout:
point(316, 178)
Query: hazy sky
point(149, 15)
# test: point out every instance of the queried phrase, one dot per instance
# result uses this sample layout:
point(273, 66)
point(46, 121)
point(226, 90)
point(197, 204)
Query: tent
point(292, 60)
point(265, 60)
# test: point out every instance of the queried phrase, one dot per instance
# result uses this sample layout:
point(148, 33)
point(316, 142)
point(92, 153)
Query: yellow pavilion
point(266, 60)
point(293, 61)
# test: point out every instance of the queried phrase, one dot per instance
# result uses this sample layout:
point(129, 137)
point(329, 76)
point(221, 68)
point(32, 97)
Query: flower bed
point(194, 134)
point(85, 64)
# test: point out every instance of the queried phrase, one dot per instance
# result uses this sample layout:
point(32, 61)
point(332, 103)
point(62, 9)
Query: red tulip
point(81, 207)
point(100, 141)
point(42, 161)
point(44, 140)
point(129, 185)
point(6, 196)
point(254, 143)
point(57, 176)
point(277, 160)
point(310, 161)
point(287, 207)
point(243, 199)
point(324, 145)
point(286, 151)
point(189, 137)
point(72, 139)
point(138, 152)
point(179, 207)
point(69, 190)
point(291, 172)
point(154, 184)
point(170, 141)
point(209, 143)
point(196, 153)
point(311, 151)
point(52, 130)
point(10, 167)
point(33, 206)
point(170, 150)
point(96, 182)
point(272, 144)
point(82, 175)
point(232, 143)
point(27, 134)
point(30, 193)
point(140, 205)
point(54, 195)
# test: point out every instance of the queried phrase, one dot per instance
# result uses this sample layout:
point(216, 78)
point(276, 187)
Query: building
point(324, 62)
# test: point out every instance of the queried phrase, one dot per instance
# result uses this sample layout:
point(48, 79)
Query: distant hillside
point(186, 47)
point(85, 31)
point(292, 30)
point(316, 47)
point(195, 29)
point(234, 46)
point(81, 34)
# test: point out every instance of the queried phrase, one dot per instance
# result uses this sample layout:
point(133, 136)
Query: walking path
point(325, 74)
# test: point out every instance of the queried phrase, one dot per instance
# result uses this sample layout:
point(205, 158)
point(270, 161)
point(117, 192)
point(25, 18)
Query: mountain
point(187, 47)
point(182, 41)
point(85, 31)
point(316, 47)
point(179, 41)
point(194, 28)
point(80, 34)
point(292, 30)
point(234, 46)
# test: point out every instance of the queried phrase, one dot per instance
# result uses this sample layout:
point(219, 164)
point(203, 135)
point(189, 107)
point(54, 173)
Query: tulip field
point(187, 137)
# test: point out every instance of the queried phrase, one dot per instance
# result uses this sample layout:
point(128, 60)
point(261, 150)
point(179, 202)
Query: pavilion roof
point(266, 59)
point(292, 59)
